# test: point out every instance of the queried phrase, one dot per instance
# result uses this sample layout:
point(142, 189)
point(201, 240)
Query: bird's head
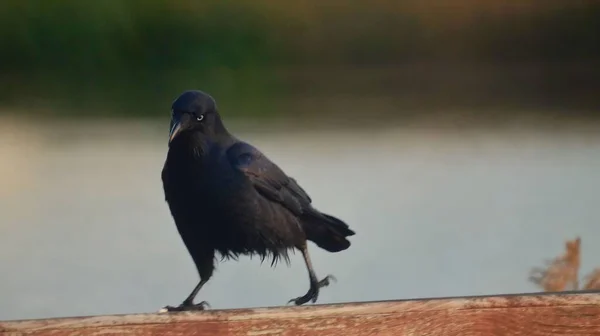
point(194, 111)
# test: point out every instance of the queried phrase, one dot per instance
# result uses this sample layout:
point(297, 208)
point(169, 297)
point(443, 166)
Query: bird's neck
point(195, 145)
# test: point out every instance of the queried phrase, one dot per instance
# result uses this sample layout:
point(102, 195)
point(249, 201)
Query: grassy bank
point(130, 58)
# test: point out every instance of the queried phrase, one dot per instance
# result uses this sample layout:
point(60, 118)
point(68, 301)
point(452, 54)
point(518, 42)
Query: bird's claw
point(313, 292)
point(326, 281)
point(312, 296)
point(185, 306)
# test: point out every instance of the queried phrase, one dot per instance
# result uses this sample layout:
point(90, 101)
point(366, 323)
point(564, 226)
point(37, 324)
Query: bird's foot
point(313, 292)
point(187, 306)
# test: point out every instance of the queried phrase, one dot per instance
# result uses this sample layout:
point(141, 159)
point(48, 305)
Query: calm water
point(84, 228)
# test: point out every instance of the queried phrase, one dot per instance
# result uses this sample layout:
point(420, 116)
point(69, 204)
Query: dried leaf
point(592, 280)
point(561, 273)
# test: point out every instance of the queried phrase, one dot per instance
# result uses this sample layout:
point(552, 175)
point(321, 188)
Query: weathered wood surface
point(528, 314)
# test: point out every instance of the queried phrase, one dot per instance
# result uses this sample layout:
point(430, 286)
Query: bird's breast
point(202, 184)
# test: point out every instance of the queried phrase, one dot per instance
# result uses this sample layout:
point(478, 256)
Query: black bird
point(227, 197)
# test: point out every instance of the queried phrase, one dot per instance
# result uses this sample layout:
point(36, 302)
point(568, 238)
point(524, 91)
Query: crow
point(227, 197)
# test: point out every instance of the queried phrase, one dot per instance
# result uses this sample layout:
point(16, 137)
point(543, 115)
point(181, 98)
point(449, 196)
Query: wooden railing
point(568, 313)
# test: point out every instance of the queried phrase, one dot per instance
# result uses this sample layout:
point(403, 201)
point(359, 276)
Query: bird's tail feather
point(326, 231)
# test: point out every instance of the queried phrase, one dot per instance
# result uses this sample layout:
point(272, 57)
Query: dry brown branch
point(561, 273)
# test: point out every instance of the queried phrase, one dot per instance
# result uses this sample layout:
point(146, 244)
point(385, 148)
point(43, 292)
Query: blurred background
point(459, 139)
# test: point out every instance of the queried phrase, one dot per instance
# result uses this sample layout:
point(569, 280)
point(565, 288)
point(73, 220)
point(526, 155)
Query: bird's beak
point(175, 128)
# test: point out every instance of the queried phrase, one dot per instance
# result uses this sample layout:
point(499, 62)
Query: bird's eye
point(200, 117)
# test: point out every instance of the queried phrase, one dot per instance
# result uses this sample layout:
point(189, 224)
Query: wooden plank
point(569, 313)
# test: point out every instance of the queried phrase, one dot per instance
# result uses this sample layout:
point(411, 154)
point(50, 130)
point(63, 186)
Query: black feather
point(227, 197)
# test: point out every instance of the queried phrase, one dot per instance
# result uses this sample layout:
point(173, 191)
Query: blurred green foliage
point(132, 57)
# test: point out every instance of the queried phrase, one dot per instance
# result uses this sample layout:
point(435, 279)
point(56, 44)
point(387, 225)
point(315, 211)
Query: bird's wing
point(268, 179)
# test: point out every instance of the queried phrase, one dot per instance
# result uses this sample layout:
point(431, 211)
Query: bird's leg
point(189, 301)
point(315, 284)
point(188, 304)
point(205, 265)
